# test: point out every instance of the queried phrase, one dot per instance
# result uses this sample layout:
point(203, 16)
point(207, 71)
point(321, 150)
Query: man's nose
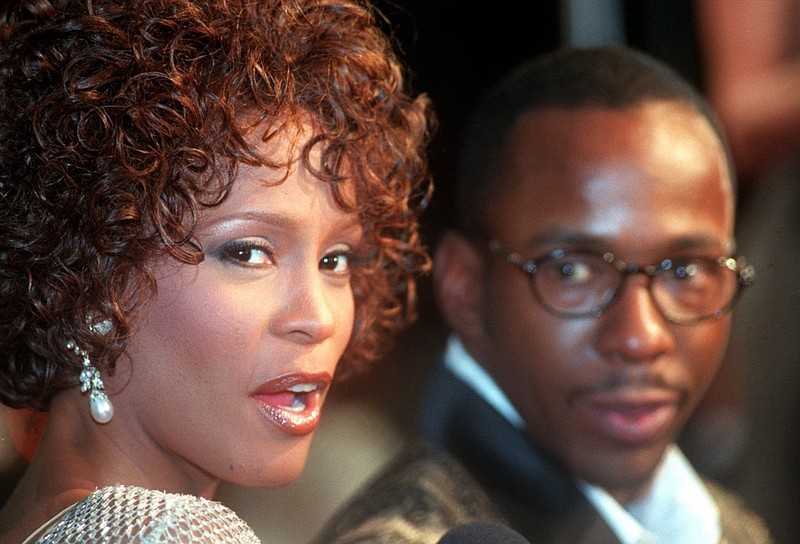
point(633, 328)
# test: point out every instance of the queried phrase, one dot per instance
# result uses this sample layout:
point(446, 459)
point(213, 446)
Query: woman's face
point(231, 362)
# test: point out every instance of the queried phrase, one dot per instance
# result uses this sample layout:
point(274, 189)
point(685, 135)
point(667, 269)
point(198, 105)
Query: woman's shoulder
point(127, 514)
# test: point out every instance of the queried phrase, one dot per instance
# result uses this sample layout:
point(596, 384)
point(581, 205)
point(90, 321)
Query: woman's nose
point(307, 315)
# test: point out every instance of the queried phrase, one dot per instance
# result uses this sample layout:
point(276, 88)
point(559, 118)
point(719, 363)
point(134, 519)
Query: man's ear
point(458, 284)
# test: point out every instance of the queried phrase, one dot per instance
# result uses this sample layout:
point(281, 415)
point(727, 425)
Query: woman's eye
point(338, 262)
point(247, 254)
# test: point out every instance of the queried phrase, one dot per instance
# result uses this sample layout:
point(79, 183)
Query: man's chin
point(625, 475)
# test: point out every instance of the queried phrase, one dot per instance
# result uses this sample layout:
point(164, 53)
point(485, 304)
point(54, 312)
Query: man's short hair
point(570, 78)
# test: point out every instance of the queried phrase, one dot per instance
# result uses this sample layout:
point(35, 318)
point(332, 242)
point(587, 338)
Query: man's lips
point(293, 401)
point(632, 415)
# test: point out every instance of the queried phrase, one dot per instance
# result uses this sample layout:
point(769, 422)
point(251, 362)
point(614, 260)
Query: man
point(588, 288)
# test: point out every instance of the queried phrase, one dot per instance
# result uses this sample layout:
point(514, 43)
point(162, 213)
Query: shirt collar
point(458, 361)
point(677, 509)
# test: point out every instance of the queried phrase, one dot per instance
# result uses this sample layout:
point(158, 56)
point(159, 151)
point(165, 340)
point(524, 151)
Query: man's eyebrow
point(700, 241)
point(560, 236)
point(567, 237)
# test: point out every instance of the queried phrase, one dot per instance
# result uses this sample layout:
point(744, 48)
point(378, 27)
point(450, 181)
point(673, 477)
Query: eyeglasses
point(575, 283)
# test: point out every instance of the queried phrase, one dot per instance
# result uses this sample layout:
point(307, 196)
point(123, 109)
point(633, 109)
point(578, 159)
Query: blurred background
point(745, 434)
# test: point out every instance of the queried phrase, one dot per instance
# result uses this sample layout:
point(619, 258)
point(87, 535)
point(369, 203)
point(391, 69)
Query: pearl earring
point(99, 404)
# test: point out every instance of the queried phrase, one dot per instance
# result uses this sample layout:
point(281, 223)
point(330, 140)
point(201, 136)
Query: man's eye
point(247, 254)
point(338, 263)
point(698, 275)
point(576, 271)
point(689, 271)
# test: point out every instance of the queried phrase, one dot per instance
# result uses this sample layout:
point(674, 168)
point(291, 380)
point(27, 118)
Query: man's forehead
point(565, 138)
point(610, 170)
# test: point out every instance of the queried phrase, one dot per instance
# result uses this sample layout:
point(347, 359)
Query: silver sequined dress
point(132, 515)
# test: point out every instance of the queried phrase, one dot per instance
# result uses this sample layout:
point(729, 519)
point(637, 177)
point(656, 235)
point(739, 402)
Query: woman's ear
point(458, 271)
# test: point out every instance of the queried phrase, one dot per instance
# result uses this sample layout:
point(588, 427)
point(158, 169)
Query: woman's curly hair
point(121, 119)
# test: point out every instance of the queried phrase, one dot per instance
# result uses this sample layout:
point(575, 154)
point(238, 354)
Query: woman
point(205, 205)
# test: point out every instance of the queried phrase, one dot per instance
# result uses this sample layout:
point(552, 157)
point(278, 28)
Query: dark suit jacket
point(530, 489)
point(470, 464)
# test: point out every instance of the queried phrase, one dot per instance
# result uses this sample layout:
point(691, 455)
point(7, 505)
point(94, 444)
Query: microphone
point(482, 532)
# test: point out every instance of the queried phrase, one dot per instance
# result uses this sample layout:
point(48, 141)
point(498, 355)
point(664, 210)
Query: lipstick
point(293, 401)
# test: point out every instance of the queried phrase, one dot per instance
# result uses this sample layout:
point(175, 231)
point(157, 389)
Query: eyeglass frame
point(745, 277)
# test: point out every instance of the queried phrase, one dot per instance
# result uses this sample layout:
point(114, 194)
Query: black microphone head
point(482, 532)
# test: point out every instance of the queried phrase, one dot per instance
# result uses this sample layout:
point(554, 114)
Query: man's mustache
point(629, 380)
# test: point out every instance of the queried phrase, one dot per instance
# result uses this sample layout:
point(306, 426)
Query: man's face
point(607, 394)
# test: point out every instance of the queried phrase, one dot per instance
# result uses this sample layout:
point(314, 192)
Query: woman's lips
point(634, 417)
point(293, 401)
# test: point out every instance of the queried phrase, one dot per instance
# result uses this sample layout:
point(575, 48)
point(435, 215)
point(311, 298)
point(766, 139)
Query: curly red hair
point(121, 119)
